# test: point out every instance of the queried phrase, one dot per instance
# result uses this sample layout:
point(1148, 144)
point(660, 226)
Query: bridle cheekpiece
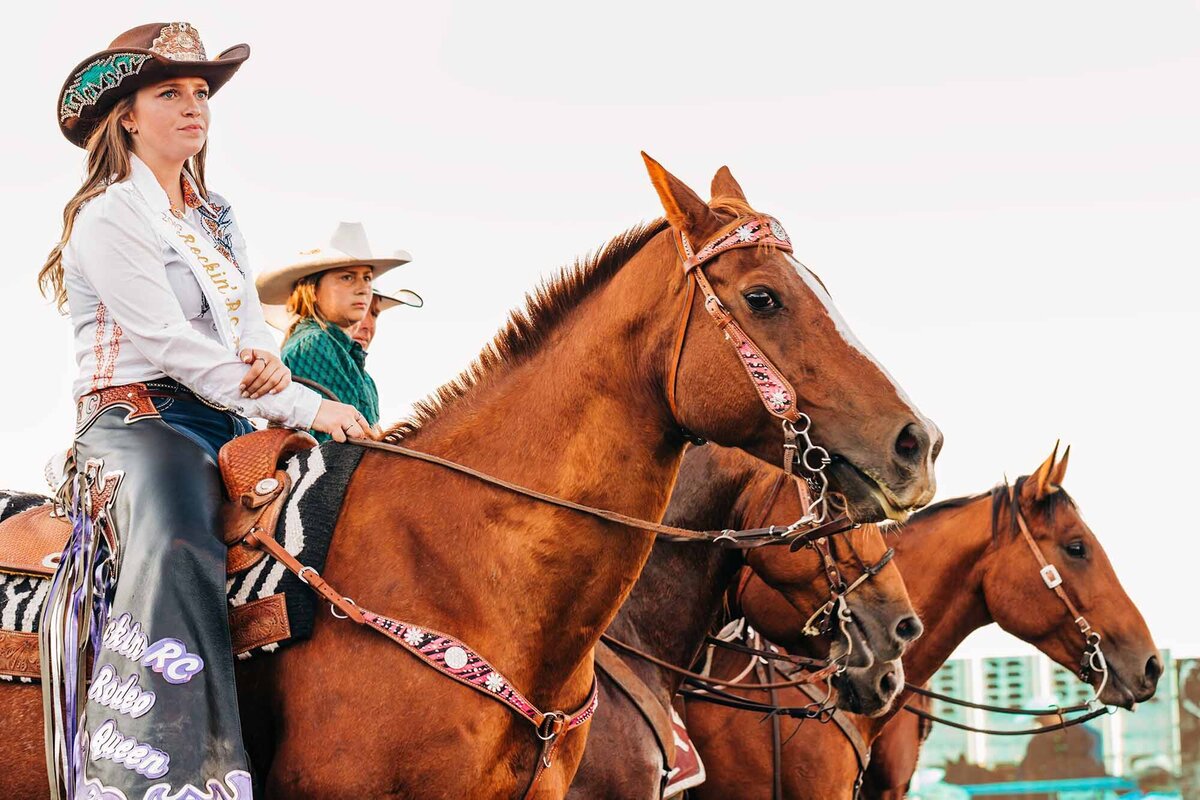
point(774, 390)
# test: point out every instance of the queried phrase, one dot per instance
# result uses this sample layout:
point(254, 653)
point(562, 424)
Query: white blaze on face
point(814, 285)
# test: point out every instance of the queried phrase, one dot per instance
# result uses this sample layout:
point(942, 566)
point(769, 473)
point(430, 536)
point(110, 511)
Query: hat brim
point(276, 286)
point(103, 78)
point(401, 297)
point(278, 317)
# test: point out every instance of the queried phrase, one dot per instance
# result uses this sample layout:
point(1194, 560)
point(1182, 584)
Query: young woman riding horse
point(679, 598)
point(968, 562)
point(173, 355)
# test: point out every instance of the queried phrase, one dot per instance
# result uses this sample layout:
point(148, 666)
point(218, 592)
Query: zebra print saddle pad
point(269, 606)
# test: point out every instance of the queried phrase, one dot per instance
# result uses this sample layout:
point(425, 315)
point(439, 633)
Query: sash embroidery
point(217, 222)
point(218, 278)
point(220, 281)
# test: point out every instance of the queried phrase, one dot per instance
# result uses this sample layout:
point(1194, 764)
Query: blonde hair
point(303, 303)
point(108, 149)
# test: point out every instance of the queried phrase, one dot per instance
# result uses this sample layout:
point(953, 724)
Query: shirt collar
point(143, 178)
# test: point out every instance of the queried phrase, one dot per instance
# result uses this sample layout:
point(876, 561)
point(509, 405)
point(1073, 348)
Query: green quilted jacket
point(331, 358)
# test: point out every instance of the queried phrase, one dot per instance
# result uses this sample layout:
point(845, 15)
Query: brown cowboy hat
point(139, 57)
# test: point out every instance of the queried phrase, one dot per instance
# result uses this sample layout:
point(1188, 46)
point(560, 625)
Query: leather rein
point(808, 670)
point(734, 539)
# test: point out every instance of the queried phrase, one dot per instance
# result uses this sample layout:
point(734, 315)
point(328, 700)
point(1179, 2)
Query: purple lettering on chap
point(236, 786)
point(171, 659)
point(93, 789)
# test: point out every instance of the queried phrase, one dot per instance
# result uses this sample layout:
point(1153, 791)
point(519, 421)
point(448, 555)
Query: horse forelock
point(1000, 504)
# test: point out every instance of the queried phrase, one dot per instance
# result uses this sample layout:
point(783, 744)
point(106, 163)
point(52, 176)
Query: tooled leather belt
point(137, 398)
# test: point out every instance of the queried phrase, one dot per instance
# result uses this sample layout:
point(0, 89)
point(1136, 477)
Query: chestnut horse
point(584, 395)
point(681, 593)
point(966, 564)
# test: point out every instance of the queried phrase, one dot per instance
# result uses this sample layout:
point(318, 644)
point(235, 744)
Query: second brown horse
point(680, 595)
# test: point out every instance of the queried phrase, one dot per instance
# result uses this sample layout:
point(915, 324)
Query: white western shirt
point(139, 313)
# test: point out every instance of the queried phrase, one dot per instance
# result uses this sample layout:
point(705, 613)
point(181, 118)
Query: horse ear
point(1060, 471)
point(1042, 483)
point(685, 210)
point(724, 185)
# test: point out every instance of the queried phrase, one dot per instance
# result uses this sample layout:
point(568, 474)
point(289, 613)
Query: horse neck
point(581, 417)
point(940, 555)
point(682, 586)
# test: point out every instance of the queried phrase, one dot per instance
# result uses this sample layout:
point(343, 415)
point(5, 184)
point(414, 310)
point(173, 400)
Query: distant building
point(1129, 739)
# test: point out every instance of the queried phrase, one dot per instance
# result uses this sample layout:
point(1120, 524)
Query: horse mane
point(947, 504)
point(528, 328)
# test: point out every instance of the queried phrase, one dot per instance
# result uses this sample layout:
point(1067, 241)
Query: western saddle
point(31, 543)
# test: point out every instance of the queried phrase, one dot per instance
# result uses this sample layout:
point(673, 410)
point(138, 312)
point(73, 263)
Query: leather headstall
point(776, 394)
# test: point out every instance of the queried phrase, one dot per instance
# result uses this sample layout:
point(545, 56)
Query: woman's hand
point(341, 421)
point(267, 374)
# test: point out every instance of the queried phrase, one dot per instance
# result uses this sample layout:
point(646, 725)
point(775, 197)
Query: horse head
point(802, 359)
point(868, 631)
point(1068, 603)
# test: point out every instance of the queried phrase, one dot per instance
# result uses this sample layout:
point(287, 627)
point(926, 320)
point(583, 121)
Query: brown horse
point(681, 593)
point(571, 399)
point(966, 564)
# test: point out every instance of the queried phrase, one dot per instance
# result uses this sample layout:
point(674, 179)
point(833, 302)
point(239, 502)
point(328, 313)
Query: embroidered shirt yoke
point(139, 313)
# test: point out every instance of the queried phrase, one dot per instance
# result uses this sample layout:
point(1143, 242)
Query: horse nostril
point(887, 683)
point(1153, 670)
point(908, 629)
point(910, 443)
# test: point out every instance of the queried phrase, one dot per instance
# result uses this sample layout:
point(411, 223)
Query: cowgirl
point(172, 355)
point(327, 292)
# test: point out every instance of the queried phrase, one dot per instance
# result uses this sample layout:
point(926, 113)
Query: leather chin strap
point(776, 394)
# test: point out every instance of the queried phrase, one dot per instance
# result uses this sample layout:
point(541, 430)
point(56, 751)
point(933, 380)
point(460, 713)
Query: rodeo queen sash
point(220, 280)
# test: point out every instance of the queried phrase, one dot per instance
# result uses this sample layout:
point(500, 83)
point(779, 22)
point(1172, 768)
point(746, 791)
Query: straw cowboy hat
point(347, 247)
point(141, 56)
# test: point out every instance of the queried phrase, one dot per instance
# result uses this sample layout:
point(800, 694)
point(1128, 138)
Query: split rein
point(1062, 724)
point(735, 539)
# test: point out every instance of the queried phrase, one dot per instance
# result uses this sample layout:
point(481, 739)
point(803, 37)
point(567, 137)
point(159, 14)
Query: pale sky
point(1002, 198)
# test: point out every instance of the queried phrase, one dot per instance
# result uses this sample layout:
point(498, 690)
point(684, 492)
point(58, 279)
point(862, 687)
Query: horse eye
point(762, 300)
point(1076, 549)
